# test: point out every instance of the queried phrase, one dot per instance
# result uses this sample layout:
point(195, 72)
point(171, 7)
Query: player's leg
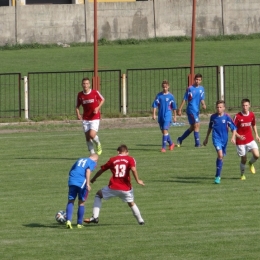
point(105, 193)
point(86, 128)
point(70, 205)
point(197, 134)
point(94, 126)
point(82, 195)
point(136, 212)
point(241, 151)
point(253, 148)
point(219, 162)
point(191, 120)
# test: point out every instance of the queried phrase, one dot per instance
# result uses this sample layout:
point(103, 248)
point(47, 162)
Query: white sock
point(90, 147)
point(96, 206)
point(242, 168)
point(96, 139)
point(137, 214)
point(252, 160)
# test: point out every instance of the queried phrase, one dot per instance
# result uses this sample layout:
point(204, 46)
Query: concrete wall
point(122, 20)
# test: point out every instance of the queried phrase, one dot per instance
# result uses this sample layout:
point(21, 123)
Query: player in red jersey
point(91, 101)
point(245, 121)
point(119, 184)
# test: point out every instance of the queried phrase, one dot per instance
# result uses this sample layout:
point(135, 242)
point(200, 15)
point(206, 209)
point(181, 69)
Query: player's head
point(85, 84)
point(122, 149)
point(197, 79)
point(165, 86)
point(220, 106)
point(94, 157)
point(245, 102)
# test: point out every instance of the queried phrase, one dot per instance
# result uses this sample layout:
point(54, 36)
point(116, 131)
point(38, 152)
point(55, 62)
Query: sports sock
point(219, 164)
point(69, 211)
point(197, 138)
point(169, 140)
point(185, 134)
point(136, 213)
point(242, 168)
point(96, 140)
point(97, 206)
point(164, 141)
point(253, 160)
point(90, 147)
point(80, 214)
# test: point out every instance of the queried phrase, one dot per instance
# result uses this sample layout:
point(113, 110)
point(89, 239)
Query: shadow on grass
point(57, 225)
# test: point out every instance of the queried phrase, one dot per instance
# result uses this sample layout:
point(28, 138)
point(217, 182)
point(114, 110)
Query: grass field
point(186, 215)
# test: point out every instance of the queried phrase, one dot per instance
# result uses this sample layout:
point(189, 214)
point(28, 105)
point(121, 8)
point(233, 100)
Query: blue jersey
point(165, 104)
point(194, 95)
point(77, 174)
point(219, 126)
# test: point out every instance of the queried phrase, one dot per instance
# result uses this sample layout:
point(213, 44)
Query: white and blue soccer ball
point(61, 216)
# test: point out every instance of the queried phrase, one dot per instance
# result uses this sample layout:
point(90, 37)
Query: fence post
point(26, 97)
point(124, 94)
point(221, 72)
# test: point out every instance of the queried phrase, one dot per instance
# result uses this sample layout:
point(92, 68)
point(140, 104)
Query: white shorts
point(244, 148)
point(90, 124)
point(125, 196)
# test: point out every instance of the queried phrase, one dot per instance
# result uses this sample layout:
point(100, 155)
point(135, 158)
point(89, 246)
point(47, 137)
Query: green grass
point(186, 215)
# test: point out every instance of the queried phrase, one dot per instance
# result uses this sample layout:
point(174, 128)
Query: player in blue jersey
point(218, 124)
point(194, 96)
point(79, 186)
point(165, 102)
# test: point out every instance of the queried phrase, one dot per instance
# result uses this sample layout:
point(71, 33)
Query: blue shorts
point(165, 125)
point(220, 146)
point(75, 191)
point(193, 118)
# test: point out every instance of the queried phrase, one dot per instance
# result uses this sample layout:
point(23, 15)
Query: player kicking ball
point(245, 121)
point(119, 184)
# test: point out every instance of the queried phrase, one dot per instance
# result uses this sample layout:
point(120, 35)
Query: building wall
point(122, 20)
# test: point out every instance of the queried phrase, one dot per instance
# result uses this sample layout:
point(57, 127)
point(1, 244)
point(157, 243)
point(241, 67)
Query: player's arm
point(154, 113)
point(256, 133)
point(78, 113)
point(98, 173)
point(99, 106)
point(205, 142)
point(203, 104)
point(174, 116)
point(180, 107)
point(233, 137)
point(134, 171)
point(88, 173)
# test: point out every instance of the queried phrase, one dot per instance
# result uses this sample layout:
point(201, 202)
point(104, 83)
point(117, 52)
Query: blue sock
point(185, 134)
point(219, 164)
point(197, 138)
point(81, 211)
point(164, 141)
point(69, 210)
point(169, 140)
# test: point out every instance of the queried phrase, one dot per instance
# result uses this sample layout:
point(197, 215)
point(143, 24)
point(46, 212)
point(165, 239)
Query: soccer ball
point(61, 216)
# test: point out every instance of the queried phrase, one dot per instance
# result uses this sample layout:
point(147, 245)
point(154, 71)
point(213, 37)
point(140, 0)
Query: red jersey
point(244, 125)
point(120, 167)
point(89, 102)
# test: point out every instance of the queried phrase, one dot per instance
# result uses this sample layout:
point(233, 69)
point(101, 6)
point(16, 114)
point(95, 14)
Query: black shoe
point(91, 220)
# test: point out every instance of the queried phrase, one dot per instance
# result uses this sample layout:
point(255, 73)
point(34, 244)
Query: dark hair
point(86, 78)
point(220, 102)
point(122, 148)
point(165, 82)
point(198, 75)
point(244, 100)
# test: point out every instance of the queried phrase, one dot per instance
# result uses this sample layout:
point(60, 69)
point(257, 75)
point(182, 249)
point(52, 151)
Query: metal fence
point(53, 94)
point(241, 81)
point(10, 95)
point(144, 84)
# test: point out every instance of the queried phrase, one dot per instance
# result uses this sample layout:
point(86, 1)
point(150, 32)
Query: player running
point(194, 96)
point(245, 121)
